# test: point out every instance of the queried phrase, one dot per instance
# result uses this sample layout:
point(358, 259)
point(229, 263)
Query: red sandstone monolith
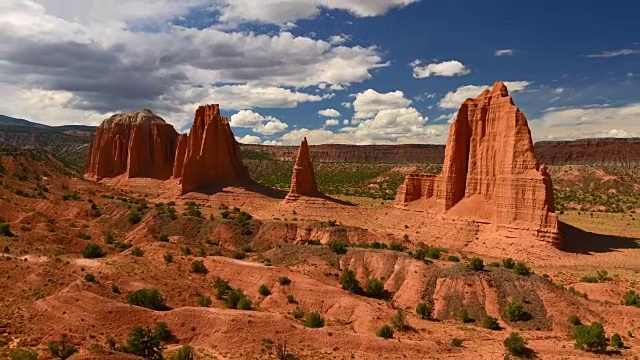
point(212, 156)
point(138, 144)
point(303, 179)
point(490, 172)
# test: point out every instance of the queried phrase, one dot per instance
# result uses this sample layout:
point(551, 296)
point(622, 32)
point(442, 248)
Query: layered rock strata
point(212, 155)
point(303, 179)
point(138, 144)
point(490, 172)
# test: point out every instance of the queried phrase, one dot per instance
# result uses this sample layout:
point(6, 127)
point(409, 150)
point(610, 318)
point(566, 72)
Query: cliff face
point(490, 171)
point(604, 152)
point(388, 154)
point(212, 155)
point(139, 144)
point(303, 179)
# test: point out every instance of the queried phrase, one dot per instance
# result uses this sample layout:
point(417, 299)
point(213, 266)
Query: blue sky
point(357, 71)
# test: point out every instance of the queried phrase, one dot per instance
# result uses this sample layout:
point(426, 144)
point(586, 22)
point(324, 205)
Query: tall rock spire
point(490, 171)
point(303, 179)
point(212, 154)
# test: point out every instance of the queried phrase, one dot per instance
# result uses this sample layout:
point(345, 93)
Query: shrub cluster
point(234, 299)
point(338, 246)
point(149, 298)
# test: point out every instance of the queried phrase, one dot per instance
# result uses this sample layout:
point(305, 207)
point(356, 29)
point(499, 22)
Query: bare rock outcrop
point(303, 179)
point(490, 172)
point(137, 144)
point(212, 154)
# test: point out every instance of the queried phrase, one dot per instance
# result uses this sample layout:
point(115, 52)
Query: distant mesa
point(303, 179)
point(490, 172)
point(141, 144)
point(137, 144)
point(212, 156)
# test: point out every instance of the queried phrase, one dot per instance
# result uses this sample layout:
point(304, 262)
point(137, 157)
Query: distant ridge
point(612, 152)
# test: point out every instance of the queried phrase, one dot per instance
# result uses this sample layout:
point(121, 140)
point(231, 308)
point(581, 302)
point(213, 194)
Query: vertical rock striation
point(138, 144)
point(490, 172)
point(212, 155)
point(303, 179)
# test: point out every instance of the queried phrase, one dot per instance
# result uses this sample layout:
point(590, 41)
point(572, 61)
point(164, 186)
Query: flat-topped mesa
point(137, 144)
point(303, 179)
point(490, 172)
point(212, 154)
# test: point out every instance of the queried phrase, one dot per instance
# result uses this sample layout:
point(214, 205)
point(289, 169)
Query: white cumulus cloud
point(370, 102)
point(332, 122)
point(265, 125)
point(504, 52)
point(445, 68)
point(453, 99)
point(329, 112)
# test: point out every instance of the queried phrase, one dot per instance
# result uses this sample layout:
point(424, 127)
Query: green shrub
point(168, 258)
point(264, 290)
point(493, 264)
point(197, 267)
point(314, 242)
point(23, 354)
point(490, 323)
point(455, 342)
point(5, 230)
point(515, 344)
point(144, 343)
point(515, 312)
point(204, 301)
point(522, 269)
point(134, 217)
point(424, 311)
point(589, 279)
point(186, 251)
point(84, 236)
point(590, 338)
point(297, 313)
point(616, 341)
point(508, 263)
point(399, 320)
point(338, 246)
point(574, 320)
point(476, 264)
point(375, 288)
point(62, 349)
point(453, 258)
point(434, 253)
point(631, 298)
point(186, 352)
point(283, 280)
point(115, 288)
point(149, 298)
point(109, 239)
point(291, 299)
point(396, 247)
point(92, 251)
point(164, 237)
point(464, 316)
point(222, 288)
point(90, 278)
point(313, 320)
point(385, 332)
point(246, 248)
point(349, 282)
point(137, 252)
point(239, 255)
point(163, 333)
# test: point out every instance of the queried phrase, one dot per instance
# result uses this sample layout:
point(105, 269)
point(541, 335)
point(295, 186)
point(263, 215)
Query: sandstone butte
point(490, 173)
point(137, 144)
point(303, 179)
point(212, 155)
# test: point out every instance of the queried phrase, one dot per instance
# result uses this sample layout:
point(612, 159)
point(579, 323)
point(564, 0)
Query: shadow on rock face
point(579, 241)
